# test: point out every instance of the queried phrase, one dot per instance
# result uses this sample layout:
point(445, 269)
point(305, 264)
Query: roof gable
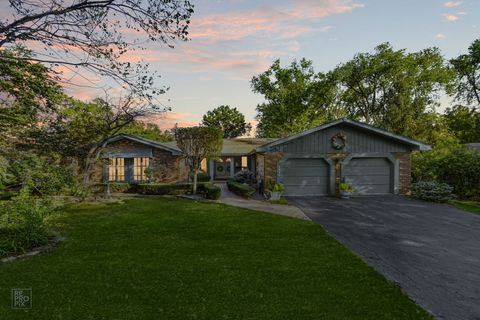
point(361, 126)
point(159, 145)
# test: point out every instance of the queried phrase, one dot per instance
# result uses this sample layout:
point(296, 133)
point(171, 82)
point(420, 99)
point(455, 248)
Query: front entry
point(222, 168)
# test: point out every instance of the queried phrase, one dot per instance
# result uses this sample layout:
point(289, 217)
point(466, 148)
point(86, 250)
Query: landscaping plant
point(433, 191)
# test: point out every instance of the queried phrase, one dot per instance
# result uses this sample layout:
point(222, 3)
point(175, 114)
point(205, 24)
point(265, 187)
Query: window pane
point(120, 169)
point(244, 162)
point(111, 169)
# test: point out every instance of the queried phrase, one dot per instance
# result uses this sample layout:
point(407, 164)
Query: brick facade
point(271, 160)
point(172, 167)
point(405, 177)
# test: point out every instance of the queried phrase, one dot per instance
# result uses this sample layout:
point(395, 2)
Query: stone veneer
point(175, 168)
point(405, 172)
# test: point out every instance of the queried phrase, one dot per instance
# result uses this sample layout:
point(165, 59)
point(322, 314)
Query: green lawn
point(177, 259)
point(472, 206)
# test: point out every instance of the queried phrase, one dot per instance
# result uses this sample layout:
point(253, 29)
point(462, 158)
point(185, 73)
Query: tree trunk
point(195, 181)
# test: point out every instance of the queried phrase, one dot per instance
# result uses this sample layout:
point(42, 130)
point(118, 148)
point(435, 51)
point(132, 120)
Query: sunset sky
point(233, 40)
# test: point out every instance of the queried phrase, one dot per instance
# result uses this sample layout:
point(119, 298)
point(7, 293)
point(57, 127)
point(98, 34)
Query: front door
point(222, 169)
point(129, 170)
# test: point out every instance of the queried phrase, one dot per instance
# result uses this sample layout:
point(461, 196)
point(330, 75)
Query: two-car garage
point(312, 176)
point(314, 162)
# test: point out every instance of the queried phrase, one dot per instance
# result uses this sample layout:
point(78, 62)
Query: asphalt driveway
point(431, 250)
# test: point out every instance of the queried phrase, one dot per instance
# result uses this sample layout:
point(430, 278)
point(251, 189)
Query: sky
point(233, 40)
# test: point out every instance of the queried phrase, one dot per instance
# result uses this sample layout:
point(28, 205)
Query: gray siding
point(358, 141)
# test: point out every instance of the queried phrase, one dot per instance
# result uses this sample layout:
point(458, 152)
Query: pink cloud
point(451, 4)
point(284, 22)
point(168, 120)
point(451, 17)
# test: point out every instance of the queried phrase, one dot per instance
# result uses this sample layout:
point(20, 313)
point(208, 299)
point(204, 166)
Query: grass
point(471, 206)
point(179, 259)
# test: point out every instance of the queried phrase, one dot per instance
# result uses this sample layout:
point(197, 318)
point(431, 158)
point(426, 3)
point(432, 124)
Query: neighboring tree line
point(391, 89)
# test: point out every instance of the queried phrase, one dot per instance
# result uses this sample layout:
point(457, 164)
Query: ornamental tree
point(198, 143)
point(228, 119)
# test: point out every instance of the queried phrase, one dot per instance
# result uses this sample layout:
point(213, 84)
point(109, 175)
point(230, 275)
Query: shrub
point(240, 189)
point(345, 187)
point(451, 164)
point(244, 176)
point(432, 191)
point(163, 189)
point(22, 223)
point(273, 186)
point(201, 177)
point(119, 187)
point(210, 191)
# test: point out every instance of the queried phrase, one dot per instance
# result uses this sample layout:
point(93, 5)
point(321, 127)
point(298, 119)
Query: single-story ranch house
point(313, 162)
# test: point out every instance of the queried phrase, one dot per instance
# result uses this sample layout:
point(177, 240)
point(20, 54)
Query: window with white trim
point(139, 166)
point(116, 169)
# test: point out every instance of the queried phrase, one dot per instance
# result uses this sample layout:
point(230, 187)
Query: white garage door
point(305, 177)
point(369, 175)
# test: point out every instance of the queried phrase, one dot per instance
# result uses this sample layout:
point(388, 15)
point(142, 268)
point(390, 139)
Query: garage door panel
point(305, 176)
point(375, 171)
point(369, 175)
point(304, 180)
point(305, 172)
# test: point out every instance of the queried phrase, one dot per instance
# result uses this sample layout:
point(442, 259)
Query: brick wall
point(405, 172)
point(271, 160)
point(173, 167)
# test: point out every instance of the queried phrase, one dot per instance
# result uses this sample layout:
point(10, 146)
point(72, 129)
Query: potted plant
point(345, 190)
point(275, 190)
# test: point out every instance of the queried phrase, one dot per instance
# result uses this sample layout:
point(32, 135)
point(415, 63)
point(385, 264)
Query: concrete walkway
point(280, 209)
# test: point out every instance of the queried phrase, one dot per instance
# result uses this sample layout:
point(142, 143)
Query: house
point(313, 162)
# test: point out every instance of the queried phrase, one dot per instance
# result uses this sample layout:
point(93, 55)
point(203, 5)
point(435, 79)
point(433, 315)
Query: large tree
point(294, 100)
point(464, 122)
point(467, 67)
point(96, 34)
point(393, 89)
point(228, 119)
point(198, 143)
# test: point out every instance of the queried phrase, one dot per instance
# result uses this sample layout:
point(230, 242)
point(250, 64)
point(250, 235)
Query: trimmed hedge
point(209, 191)
point(163, 189)
point(201, 177)
point(433, 191)
point(240, 189)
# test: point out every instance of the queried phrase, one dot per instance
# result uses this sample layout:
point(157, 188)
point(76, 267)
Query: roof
point(235, 147)
point(419, 145)
point(161, 145)
point(473, 146)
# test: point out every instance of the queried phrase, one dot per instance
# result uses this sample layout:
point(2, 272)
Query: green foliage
point(345, 187)
point(119, 187)
point(464, 122)
point(44, 176)
point(471, 206)
point(228, 119)
point(147, 130)
point(296, 99)
point(28, 91)
point(163, 189)
point(451, 164)
point(198, 143)
point(22, 223)
point(467, 67)
point(393, 89)
point(201, 176)
point(244, 176)
point(432, 191)
point(273, 186)
point(240, 189)
point(210, 191)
